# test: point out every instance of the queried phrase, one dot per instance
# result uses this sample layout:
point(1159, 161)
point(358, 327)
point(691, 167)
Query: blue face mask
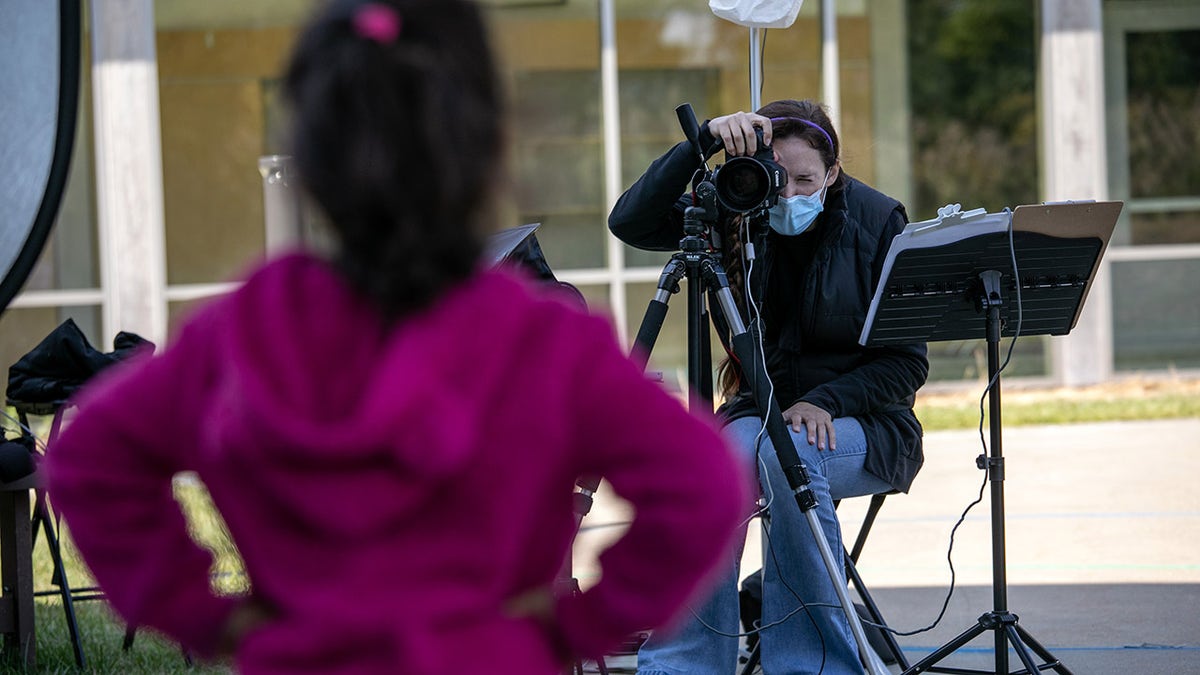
point(794, 215)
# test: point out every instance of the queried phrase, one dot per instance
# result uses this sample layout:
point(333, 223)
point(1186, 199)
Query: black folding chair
point(43, 520)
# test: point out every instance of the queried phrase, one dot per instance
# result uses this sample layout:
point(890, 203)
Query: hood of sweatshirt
point(311, 392)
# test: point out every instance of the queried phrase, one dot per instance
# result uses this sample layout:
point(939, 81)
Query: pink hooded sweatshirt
point(391, 489)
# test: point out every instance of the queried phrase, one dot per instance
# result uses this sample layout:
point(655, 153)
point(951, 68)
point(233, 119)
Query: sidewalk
point(1101, 529)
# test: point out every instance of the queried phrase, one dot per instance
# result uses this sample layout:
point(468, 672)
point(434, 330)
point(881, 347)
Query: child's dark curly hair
point(399, 136)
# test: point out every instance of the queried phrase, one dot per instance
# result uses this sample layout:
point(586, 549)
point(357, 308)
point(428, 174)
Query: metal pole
point(831, 92)
point(755, 69)
point(611, 119)
point(281, 203)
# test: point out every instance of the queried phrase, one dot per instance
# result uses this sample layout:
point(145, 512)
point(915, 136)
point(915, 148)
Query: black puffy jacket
point(818, 290)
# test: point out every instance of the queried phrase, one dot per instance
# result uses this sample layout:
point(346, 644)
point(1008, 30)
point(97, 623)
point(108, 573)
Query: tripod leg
point(1010, 631)
point(42, 514)
point(870, 658)
point(945, 650)
point(785, 451)
point(656, 311)
point(1000, 650)
point(1041, 651)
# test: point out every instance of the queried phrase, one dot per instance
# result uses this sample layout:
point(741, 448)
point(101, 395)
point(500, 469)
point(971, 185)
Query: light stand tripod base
point(1008, 632)
point(938, 278)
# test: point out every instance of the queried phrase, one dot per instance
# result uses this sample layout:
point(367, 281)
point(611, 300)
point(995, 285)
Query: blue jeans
point(808, 642)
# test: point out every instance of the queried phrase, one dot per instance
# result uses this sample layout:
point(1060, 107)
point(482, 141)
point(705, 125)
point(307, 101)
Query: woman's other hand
point(819, 424)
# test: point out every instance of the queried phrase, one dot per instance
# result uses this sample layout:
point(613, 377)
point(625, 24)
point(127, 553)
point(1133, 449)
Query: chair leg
point(752, 661)
point(853, 577)
point(873, 613)
point(865, 528)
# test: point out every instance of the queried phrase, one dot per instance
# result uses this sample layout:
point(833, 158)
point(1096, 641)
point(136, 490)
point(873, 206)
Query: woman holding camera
point(848, 407)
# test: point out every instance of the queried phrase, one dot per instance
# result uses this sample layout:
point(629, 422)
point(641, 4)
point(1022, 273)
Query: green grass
point(1109, 404)
point(101, 633)
point(101, 630)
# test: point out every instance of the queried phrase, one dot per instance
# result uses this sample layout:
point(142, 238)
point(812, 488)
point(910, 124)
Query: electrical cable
point(1012, 250)
point(36, 439)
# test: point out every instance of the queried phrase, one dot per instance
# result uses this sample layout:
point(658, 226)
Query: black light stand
point(1002, 622)
point(565, 584)
point(704, 273)
point(938, 279)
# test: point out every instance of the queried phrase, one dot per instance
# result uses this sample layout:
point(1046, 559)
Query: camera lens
point(742, 184)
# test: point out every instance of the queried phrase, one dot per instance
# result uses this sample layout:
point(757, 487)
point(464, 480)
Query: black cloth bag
point(62, 362)
point(42, 380)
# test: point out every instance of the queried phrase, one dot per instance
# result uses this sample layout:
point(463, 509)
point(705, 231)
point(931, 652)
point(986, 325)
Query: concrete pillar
point(129, 182)
point(1074, 163)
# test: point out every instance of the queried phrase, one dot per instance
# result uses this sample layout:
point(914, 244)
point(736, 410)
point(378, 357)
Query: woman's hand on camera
point(819, 424)
point(736, 132)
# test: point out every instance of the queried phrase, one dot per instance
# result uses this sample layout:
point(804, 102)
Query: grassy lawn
point(1133, 399)
point(101, 630)
point(939, 409)
point(101, 634)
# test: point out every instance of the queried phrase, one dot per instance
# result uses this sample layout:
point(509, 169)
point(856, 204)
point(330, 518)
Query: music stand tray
point(969, 275)
point(930, 284)
point(502, 243)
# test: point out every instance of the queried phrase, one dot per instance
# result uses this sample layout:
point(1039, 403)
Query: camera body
point(750, 183)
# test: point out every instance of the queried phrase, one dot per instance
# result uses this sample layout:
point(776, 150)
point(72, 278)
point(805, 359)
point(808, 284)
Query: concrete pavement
point(1102, 546)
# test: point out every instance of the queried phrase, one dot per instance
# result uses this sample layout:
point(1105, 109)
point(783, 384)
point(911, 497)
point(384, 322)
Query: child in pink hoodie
point(393, 434)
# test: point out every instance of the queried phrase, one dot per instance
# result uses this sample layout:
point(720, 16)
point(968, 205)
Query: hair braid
point(728, 374)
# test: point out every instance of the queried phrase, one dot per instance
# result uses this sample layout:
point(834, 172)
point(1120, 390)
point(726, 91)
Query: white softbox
point(757, 13)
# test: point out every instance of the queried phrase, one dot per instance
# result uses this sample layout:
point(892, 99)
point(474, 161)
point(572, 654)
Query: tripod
point(704, 272)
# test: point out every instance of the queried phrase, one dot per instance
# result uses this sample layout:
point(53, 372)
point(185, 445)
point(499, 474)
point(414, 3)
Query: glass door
point(1152, 66)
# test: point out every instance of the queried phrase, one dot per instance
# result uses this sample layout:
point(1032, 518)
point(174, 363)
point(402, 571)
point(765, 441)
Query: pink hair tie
point(377, 22)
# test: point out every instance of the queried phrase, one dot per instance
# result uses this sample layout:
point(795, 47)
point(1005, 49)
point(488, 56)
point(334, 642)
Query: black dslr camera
point(748, 183)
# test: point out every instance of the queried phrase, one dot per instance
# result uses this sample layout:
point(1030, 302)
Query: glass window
point(1163, 109)
point(216, 76)
point(1164, 112)
point(559, 159)
point(974, 130)
point(973, 92)
point(1156, 317)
